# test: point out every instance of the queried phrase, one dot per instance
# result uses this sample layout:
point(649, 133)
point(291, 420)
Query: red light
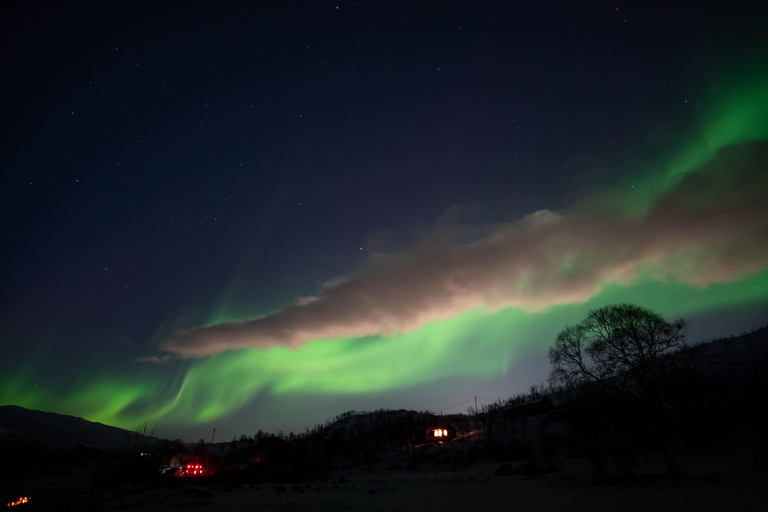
point(192, 469)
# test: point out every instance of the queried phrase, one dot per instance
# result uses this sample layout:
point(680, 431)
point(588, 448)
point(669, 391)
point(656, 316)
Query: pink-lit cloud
point(711, 227)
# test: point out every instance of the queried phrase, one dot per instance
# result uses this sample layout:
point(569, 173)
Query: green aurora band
point(474, 346)
point(734, 110)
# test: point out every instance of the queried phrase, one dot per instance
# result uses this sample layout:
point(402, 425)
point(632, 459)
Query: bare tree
point(621, 349)
point(139, 439)
point(615, 346)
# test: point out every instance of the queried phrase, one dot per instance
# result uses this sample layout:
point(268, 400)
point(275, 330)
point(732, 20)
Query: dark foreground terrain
point(550, 449)
point(731, 480)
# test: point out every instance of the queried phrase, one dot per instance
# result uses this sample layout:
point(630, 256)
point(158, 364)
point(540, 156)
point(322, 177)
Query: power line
point(456, 405)
point(475, 398)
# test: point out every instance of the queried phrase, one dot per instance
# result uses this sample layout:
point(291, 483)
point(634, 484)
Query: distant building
point(441, 432)
point(259, 458)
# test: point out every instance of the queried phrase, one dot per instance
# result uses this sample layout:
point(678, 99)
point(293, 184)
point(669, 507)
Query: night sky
point(258, 216)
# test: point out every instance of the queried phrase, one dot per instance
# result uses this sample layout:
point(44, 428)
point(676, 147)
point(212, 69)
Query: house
point(440, 432)
point(259, 458)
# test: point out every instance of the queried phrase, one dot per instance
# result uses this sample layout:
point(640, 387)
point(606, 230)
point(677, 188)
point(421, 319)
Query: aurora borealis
point(258, 218)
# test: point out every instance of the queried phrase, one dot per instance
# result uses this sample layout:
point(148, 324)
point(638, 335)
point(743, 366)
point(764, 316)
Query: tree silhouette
point(617, 346)
point(621, 349)
point(140, 438)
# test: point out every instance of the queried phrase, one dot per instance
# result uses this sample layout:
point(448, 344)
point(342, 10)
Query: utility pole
point(475, 406)
point(214, 433)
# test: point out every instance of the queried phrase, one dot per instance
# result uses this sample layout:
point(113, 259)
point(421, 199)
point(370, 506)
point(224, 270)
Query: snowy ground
point(449, 491)
point(734, 480)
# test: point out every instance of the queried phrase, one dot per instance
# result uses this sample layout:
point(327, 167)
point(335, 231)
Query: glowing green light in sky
point(474, 345)
point(733, 110)
point(742, 115)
